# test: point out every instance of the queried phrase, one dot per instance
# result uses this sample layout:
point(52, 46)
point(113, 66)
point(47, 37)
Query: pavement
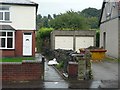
point(105, 76)
point(52, 79)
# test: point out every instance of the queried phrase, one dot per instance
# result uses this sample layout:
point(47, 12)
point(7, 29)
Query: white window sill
point(5, 21)
point(7, 48)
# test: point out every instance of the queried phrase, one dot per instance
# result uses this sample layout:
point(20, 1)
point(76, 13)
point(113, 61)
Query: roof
point(18, 2)
point(103, 6)
point(6, 27)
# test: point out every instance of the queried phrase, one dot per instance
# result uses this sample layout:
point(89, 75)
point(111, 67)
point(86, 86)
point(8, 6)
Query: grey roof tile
point(17, 1)
point(6, 27)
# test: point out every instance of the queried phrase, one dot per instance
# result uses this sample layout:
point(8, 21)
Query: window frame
point(4, 15)
point(6, 37)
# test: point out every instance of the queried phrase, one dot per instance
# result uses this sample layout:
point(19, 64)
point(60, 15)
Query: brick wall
point(19, 42)
point(18, 51)
point(22, 71)
point(8, 53)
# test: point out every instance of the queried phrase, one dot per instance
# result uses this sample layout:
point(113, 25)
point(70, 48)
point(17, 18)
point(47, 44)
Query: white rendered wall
point(22, 17)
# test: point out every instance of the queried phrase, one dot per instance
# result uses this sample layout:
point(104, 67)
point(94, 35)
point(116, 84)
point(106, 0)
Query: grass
point(108, 59)
point(16, 59)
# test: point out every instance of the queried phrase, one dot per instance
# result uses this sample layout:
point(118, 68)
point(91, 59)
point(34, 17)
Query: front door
point(27, 44)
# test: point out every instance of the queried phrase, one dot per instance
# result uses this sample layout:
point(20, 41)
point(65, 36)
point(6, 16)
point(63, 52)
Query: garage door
point(64, 42)
point(84, 42)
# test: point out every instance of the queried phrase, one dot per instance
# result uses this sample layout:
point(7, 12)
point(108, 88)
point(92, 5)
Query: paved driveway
point(107, 73)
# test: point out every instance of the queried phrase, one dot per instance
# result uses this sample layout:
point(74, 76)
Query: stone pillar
point(73, 70)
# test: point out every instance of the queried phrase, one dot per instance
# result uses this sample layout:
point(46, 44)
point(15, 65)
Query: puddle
point(55, 85)
point(95, 84)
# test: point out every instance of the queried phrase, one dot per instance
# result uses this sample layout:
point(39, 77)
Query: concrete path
point(52, 79)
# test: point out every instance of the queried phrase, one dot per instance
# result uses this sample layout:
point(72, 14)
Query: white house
point(110, 27)
point(17, 27)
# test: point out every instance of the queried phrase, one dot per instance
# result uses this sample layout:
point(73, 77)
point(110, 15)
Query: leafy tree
point(70, 19)
point(54, 15)
point(49, 17)
point(93, 22)
point(91, 12)
point(39, 17)
point(92, 15)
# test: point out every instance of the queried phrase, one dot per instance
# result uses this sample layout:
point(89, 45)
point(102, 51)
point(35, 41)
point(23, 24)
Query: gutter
point(21, 4)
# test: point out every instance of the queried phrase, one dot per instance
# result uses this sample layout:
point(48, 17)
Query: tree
point(54, 15)
point(93, 22)
point(39, 17)
point(49, 17)
point(91, 12)
point(69, 20)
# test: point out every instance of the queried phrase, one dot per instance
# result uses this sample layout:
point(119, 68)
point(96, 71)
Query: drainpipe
point(74, 41)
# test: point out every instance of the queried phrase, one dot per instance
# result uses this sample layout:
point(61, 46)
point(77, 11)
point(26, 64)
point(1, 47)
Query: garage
point(72, 40)
point(84, 42)
point(64, 42)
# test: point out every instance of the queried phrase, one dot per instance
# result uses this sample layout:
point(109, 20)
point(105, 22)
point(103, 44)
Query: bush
point(43, 38)
point(60, 65)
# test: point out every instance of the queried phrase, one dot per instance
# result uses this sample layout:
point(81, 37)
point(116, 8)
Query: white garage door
point(64, 42)
point(84, 42)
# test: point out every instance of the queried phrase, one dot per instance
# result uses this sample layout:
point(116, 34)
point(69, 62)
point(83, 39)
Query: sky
point(61, 6)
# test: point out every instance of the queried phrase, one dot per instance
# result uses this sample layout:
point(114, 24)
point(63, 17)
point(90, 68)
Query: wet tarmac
point(105, 71)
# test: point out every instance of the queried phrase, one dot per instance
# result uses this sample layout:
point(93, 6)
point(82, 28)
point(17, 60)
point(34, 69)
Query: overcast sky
point(60, 6)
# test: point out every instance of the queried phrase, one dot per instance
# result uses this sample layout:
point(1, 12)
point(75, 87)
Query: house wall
point(119, 40)
point(18, 51)
point(7, 53)
point(111, 29)
point(110, 25)
point(19, 42)
point(22, 17)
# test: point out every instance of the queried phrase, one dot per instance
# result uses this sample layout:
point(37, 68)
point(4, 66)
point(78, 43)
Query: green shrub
point(60, 65)
point(43, 35)
point(97, 38)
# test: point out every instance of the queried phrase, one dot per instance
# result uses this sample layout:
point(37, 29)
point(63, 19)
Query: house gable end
point(110, 11)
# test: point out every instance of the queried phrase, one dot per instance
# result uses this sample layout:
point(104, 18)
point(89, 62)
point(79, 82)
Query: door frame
point(29, 33)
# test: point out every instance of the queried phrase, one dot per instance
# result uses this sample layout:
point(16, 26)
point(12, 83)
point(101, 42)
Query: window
point(7, 40)
point(4, 14)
